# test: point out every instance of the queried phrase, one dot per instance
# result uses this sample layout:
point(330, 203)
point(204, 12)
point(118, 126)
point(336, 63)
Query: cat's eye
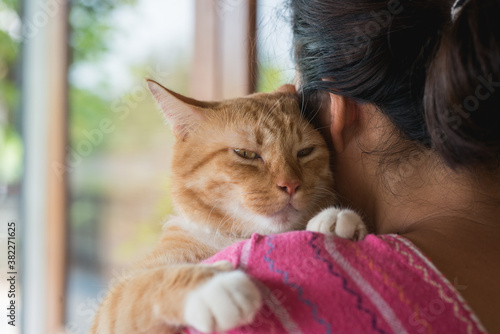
point(305, 152)
point(246, 154)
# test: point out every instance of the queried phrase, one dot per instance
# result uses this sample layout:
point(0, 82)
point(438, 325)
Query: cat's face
point(246, 165)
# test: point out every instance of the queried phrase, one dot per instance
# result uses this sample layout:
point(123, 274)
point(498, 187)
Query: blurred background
point(84, 152)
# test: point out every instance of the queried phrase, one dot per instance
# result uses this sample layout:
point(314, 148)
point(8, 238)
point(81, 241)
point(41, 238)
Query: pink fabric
point(314, 283)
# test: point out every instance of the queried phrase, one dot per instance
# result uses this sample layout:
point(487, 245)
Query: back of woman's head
point(379, 52)
point(462, 93)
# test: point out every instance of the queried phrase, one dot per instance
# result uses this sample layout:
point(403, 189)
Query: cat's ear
point(182, 113)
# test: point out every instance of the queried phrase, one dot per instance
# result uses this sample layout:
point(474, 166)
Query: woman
point(409, 93)
point(414, 109)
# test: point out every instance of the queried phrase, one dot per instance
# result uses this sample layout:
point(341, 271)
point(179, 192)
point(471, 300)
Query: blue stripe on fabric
point(359, 298)
point(294, 286)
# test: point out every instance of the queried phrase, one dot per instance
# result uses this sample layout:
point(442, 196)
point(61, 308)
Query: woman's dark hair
point(380, 51)
point(462, 93)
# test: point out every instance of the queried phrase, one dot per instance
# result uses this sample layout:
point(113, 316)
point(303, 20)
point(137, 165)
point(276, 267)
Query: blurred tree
point(10, 142)
point(91, 28)
point(270, 77)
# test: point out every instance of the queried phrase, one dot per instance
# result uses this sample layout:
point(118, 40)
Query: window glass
point(274, 41)
point(119, 148)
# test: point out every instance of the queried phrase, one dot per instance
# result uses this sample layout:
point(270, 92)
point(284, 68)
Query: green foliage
point(10, 3)
point(11, 149)
point(8, 49)
point(270, 77)
point(90, 33)
point(9, 94)
point(87, 110)
point(91, 27)
point(11, 152)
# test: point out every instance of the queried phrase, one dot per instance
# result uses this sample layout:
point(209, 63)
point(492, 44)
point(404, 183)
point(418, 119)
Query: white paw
point(343, 223)
point(226, 301)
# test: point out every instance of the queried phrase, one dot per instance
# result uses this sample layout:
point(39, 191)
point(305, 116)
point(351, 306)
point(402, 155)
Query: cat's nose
point(290, 187)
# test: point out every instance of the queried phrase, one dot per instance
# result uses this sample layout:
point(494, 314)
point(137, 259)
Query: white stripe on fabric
point(272, 302)
point(245, 253)
point(384, 309)
point(450, 286)
point(279, 311)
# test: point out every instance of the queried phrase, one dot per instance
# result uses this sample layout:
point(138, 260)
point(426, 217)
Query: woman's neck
point(452, 217)
point(432, 192)
point(397, 193)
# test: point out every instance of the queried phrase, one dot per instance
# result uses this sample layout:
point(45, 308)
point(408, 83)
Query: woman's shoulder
point(316, 283)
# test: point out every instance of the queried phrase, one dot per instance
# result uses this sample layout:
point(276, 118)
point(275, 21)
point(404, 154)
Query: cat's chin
point(285, 216)
point(286, 219)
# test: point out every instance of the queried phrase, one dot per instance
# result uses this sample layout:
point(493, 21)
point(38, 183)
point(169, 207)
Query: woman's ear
point(343, 113)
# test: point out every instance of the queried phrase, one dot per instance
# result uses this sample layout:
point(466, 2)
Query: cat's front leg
point(162, 300)
point(226, 301)
point(343, 223)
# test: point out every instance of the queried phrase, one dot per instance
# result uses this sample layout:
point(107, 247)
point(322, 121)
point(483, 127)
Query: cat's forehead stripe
point(267, 118)
point(279, 116)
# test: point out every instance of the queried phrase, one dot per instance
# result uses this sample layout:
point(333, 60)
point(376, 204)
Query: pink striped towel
point(312, 283)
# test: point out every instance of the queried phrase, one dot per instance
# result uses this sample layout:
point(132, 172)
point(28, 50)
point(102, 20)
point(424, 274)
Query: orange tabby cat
point(241, 166)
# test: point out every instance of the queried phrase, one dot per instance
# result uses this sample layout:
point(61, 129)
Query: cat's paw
point(343, 223)
point(226, 301)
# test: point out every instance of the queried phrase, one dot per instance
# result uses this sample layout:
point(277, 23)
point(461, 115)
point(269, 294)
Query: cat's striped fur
point(222, 196)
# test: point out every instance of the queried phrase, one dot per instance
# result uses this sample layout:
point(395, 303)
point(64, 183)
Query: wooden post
point(225, 52)
point(44, 109)
point(56, 177)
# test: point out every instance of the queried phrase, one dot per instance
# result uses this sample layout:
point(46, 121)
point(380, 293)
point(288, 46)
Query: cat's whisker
point(315, 114)
point(269, 112)
point(324, 188)
point(303, 122)
point(316, 206)
point(321, 128)
point(252, 192)
point(213, 207)
point(232, 234)
point(182, 192)
point(316, 129)
point(324, 194)
point(223, 221)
